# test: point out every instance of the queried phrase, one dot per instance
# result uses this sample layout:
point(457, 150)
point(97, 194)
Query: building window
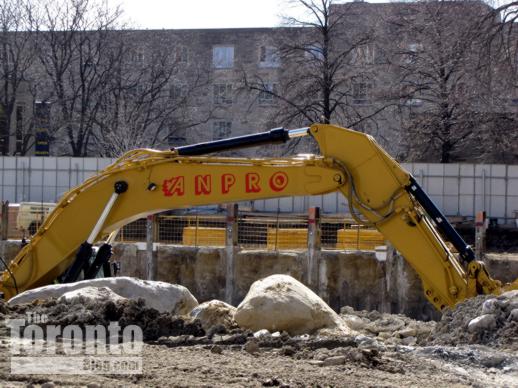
point(363, 55)
point(42, 128)
point(314, 51)
point(221, 129)
point(415, 47)
point(8, 57)
point(412, 51)
point(414, 102)
point(137, 56)
point(137, 90)
point(222, 94)
point(361, 92)
point(269, 57)
point(223, 57)
point(177, 91)
point(408, 93)
point(265, 96)
point(182, 54)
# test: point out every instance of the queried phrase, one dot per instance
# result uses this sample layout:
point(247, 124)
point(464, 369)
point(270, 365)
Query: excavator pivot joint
point(120, 187)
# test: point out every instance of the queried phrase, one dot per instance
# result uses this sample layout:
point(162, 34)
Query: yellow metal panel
point(363, 239)
point(195, 236)
point(287, 238)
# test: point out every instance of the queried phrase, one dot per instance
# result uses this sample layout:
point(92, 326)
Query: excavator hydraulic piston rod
point(277, 135)
point(441, 222)
point(298, 132)
point(82, 259)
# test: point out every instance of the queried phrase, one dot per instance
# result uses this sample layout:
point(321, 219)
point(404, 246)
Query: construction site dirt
point(385, 349)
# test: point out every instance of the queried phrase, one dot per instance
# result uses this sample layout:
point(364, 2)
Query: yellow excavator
point(380, 193)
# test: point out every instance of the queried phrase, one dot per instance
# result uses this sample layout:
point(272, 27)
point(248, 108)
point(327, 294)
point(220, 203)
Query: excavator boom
point(379, 191)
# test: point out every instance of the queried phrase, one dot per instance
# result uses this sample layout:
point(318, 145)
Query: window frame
point(357, 99)
point(364, 54)
point(223, 62)
point(224, 127)
point(265, 98)
point(222, 94)
point(269, 57)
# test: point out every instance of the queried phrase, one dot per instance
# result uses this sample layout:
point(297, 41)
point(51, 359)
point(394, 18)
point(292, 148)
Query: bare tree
point(445, 84)
point(151, 97)
point(329, 60)
point(110, 89)
point(73, 40)
point(16, 57)
point(499, 142)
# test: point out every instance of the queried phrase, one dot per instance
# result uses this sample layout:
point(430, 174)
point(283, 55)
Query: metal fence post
point(358, 237)
point(4, 227)
point(156, 228)
point(151, 260)
point(276, 247)
point(314, 247)
point(196, 225)
point(480, 234)
point(231, 247)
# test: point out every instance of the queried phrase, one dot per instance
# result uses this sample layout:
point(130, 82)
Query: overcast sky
point(156, 14)
point(201, 13)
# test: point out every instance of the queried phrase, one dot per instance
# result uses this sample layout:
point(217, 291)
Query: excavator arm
point(145, 182)
point(379, 192)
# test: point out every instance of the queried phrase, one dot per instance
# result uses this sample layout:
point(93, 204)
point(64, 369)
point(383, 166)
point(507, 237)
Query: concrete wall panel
point(459, 189)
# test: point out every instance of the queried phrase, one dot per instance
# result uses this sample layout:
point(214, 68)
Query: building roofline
point(240, 29)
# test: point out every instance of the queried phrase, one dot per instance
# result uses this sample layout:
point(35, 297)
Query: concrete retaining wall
point(357, 279)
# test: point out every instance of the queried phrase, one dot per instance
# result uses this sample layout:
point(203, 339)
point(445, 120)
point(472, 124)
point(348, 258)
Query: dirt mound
point(486, 319)
point(126, 312)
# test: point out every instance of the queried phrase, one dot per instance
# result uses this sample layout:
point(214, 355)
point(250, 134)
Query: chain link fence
point(268, 231)
point(265, 231)
point(272, 231)
point(192, 230)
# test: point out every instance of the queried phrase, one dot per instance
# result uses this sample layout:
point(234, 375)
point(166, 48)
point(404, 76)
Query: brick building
point(224, 82)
